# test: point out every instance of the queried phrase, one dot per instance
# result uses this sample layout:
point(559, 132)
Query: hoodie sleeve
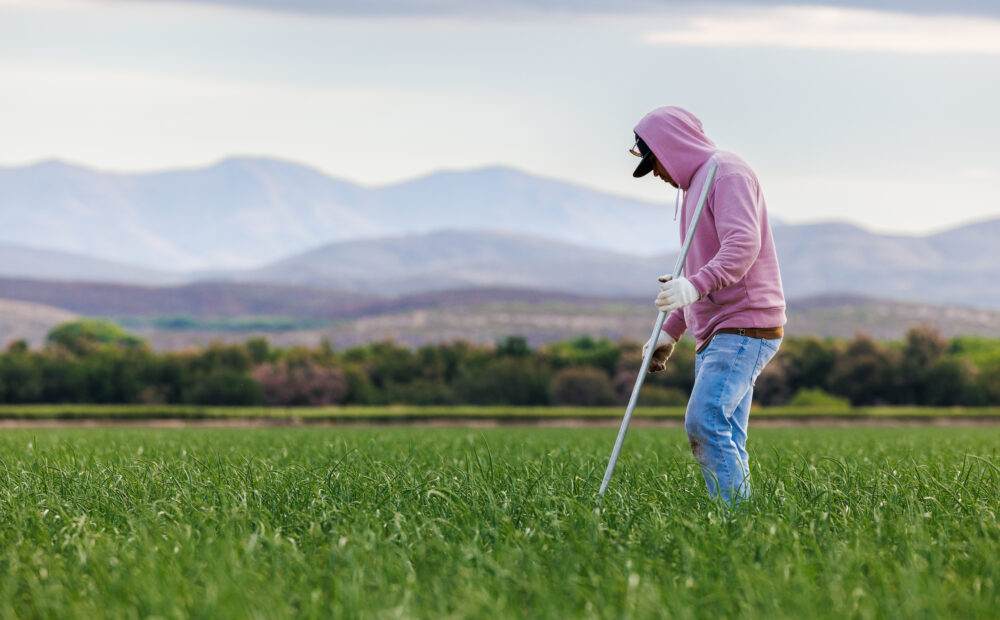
point(675, 325)
point(737, 223)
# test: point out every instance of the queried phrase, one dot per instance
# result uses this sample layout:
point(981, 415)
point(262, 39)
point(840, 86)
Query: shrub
point(225, 386)
point(659, 396)
point(301, 384)
point(866, 373)
point(815, 397)
point(505, 381)
point(419, 392)
point(582, 386)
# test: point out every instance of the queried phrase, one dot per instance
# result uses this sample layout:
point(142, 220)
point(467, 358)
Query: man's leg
point(719, 409)
point(740, 420)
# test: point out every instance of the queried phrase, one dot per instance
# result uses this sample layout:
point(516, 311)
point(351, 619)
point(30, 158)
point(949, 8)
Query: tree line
point(94, 361)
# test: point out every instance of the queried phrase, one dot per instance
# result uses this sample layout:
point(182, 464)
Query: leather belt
point(766, 333)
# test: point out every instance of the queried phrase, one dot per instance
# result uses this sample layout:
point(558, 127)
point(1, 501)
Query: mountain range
point(956, 267)
point(453, 259)
point(301, 228)
point(248, 212)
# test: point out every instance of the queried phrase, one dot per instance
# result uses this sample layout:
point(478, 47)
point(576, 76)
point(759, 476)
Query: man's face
point(661, 172)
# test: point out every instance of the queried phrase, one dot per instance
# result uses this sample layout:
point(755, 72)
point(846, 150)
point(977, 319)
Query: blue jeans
point(719, 410)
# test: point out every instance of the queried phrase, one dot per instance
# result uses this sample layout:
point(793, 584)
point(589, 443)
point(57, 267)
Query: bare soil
point(484, 422)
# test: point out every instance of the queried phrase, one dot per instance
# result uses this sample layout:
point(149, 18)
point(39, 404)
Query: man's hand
point(675, 294)
point(664, 347)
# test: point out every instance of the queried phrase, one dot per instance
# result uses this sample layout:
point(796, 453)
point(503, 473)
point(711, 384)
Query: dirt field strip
point(442, 422)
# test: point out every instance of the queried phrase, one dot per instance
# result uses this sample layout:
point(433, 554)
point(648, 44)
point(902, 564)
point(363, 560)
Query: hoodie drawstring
point(677, 203)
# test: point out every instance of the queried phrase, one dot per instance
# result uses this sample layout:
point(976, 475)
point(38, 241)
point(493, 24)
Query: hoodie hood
point(676, 138)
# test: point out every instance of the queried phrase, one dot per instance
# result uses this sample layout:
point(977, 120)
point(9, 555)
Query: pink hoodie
point(732, 261)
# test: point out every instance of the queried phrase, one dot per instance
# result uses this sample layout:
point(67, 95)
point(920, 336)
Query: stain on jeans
point(697, 448)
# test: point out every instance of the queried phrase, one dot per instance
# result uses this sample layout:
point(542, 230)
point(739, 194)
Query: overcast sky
point(882, 118)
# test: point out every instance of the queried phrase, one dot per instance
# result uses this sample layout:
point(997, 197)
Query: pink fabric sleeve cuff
point(702, 282)
point(675, 326)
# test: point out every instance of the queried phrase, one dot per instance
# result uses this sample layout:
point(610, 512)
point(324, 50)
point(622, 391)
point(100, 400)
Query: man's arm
point(675, 325)
point(737, 222)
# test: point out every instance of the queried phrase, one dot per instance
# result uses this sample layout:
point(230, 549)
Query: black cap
point(648, 159)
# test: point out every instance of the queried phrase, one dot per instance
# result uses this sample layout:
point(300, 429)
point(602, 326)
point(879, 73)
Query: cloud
point(40, 4)
point(144, 120)
point(835, 29)
point(501, 8)
point(980, 173)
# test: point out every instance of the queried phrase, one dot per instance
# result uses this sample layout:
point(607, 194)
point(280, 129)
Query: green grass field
point(409, 522)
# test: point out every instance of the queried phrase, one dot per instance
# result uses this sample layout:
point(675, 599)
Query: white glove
point(664, 347)
point(675, 294)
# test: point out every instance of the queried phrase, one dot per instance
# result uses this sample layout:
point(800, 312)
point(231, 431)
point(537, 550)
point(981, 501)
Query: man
point(730, 296)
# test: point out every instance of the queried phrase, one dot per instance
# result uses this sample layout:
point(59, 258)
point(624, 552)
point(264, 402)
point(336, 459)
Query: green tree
point(259, 350)
point(582, 386)
point(420, 392)
point(815, 397)
point(950, 382)
point(513, 346)
point(584, 351)
point(677, 379)
point(225, 386)
point(504, 381)
point(923, 349)
point(22, 376)
point(86, 335)
point(360, 390)
point(865, 373)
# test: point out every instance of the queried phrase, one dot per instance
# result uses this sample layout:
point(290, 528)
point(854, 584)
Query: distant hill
point(210, 300)
point(245, 212)
point(34, 263)
point(21, 320)
point(485, 318)
point(201, 300)
point(475, 315)
point(956, 267)
point(846, 315)
point(815, 259)
point(452, 259)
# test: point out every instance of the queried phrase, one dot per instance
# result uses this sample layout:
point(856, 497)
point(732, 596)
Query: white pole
point(678, 267)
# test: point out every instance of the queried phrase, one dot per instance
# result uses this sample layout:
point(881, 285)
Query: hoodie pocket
point(729, 296)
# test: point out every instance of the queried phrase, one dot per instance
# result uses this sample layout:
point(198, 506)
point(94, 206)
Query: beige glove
point(675, 294)
point(664, 347)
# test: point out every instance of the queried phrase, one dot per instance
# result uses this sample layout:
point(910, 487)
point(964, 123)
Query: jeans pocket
point(768, 348)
